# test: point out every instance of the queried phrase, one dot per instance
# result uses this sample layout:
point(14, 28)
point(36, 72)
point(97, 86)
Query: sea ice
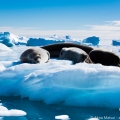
point(93, 40)
point(93, 119)
point(82, 84)
point(4, 48)
point(13, 112)
point(62, 117)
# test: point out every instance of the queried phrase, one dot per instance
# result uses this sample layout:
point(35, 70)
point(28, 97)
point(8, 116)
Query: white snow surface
point(59, 81)
point(4, 48)
point(2, 67)
point(13, 112)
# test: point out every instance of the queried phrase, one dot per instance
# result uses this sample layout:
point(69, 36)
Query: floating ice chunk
point(62, 117)
point(2, 108)
point(116, 42)
point(93, 119)
point(93, 40)
point(13, 112)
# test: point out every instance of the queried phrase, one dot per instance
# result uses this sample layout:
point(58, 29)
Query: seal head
point(35, 55)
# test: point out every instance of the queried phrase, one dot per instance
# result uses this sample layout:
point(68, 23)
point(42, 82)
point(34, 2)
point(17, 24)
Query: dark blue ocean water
point(37, 110)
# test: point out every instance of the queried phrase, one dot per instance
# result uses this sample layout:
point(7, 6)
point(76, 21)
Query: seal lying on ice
point(54, 49)
point(75, 54)
point(35, 55)
point(104, 57)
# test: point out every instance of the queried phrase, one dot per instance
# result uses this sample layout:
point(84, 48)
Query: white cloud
point(105, 27)
point(109, 26)
point(106, 32)
point(115, 22)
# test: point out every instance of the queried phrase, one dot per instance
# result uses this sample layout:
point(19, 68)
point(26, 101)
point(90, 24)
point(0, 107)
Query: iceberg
point(86, 85)
point(91, 40)
point(11, 40)
point(116, 42)
point(43, 41)
point(51, 40)
point(13, 112)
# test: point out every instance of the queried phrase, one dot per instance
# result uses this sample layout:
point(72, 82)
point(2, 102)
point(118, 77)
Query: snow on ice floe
point(60, 81)
point(4, 48)
point(2, 67)
point(13, 112)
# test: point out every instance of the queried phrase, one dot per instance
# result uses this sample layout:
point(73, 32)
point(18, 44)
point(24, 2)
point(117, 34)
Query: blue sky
point(60, 16)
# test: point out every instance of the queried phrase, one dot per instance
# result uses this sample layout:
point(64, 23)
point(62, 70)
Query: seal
point(54, 49)
point(104, 57)
point(75, 54)
point(35, 55)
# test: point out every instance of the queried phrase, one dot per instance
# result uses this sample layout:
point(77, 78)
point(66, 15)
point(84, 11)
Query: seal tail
point(88, 60)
